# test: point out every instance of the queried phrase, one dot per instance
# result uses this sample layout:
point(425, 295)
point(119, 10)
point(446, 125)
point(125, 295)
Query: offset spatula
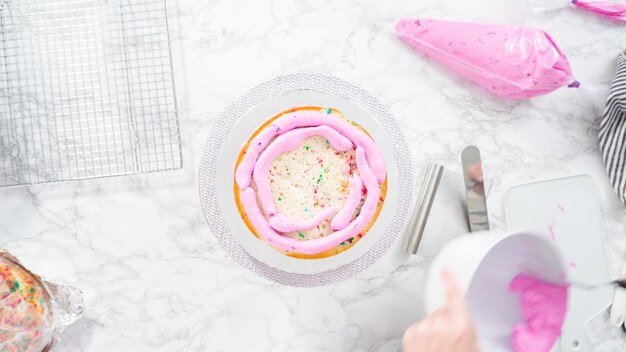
point(475, 189)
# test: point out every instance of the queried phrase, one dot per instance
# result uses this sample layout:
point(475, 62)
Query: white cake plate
point(234, 127)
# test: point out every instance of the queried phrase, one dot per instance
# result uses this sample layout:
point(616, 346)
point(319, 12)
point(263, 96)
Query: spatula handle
point(621, 283)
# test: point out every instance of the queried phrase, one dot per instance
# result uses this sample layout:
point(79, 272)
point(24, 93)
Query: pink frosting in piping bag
point(612, 10)
point(511, 61)
point(368, 209)
point(296, 119)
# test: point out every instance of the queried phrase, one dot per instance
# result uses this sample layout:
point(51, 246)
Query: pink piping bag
point(510, 61)
point(607, 9)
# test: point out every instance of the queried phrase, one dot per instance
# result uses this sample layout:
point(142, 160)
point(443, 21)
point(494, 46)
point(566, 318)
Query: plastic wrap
point(33, 312)
point(611, 10)
point(510, 61)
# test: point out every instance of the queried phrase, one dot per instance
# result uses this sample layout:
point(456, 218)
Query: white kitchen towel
point(613, 130)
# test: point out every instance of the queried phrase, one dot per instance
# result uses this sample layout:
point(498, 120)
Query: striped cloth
point(613, 130)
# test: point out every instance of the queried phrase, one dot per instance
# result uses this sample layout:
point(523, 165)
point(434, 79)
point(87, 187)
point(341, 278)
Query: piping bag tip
point(406, 26)
point(574, 84)
point(401, 26)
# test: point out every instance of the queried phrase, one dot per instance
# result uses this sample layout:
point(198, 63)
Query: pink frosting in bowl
point(543, 306)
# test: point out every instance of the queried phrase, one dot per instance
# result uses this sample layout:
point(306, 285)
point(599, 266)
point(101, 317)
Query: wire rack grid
point(86, 90)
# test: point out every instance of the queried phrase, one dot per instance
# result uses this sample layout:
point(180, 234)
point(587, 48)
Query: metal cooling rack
point(86, 90)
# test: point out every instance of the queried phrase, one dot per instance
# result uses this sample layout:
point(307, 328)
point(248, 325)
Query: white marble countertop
point(154, 277)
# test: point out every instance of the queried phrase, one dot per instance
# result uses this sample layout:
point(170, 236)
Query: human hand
point(448, 329)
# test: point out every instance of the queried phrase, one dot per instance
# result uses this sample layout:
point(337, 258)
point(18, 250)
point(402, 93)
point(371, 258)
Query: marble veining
point(154, 277)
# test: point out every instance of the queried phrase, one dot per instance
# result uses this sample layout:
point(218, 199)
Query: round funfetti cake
point(26, 319)
point(309, 182)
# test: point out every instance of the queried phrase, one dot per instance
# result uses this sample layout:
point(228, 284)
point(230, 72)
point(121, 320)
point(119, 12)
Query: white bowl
point(484, 264)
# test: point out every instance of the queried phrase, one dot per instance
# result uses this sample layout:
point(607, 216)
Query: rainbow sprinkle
point(26, 288)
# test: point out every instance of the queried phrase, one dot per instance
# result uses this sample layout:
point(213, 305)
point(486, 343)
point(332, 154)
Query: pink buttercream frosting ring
point(258, 220)
point(289, 121)
point(285, 134)
point(286, 142)
point(283, 224)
